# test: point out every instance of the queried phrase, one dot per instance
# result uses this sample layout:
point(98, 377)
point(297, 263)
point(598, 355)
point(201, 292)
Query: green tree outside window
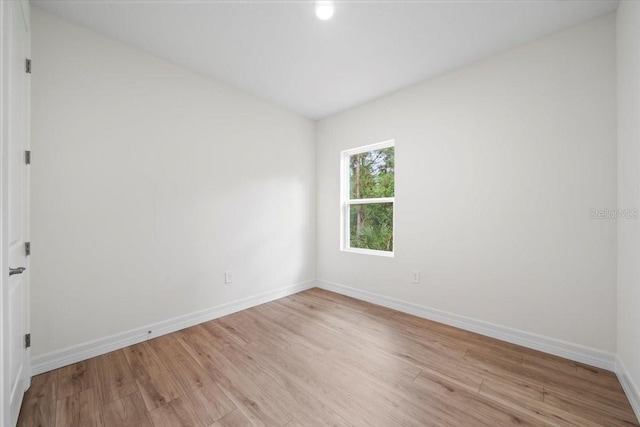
point(371, 176)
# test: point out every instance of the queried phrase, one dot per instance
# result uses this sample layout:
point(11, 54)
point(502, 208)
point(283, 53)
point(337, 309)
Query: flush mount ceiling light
point(324, 10)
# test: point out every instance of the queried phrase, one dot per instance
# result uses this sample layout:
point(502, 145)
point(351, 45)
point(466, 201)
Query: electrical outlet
point(228, 276)
point(416, 276)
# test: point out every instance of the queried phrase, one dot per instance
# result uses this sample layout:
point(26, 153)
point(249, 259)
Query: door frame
point(5, 40)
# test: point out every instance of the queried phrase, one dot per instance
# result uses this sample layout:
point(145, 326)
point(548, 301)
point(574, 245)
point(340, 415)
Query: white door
point(16, 276)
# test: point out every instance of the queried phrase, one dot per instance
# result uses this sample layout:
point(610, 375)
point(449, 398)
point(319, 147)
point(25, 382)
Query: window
point(367, 199)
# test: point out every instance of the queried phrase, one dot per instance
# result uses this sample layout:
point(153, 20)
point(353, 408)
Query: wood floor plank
point(322, 359)
point(380, 365)
point(114, 378)
point(599, 376)
point(177, 413)
point(75, 378)
point(464, 406)
point(81, 409)
point(351, 393)
point(301, 404)
point(233, 326)
point(233, 419)
point(330, 319)
point(604, 414)
point(547, 414)
point(208, 401)
point(249, 327)
point(257, 405)
point(434, 410)
point(294, 423)
point(511, 388)
point(302, 331)
point(428, 331)
point(433, 406)
point(454, 370)
point(539, 360)
point(39, 405)
point(550, 379)
point(128, 411)
point(400, 347)
point(219, 335)
point(288, 331)
point(157, 384)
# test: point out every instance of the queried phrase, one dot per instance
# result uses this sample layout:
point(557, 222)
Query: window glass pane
point(371, 174)
point(371, 226)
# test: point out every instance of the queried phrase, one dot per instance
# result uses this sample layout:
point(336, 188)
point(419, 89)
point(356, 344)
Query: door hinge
point(28, 66)
point(27, 157)
point(27, 248)
point(27, 341)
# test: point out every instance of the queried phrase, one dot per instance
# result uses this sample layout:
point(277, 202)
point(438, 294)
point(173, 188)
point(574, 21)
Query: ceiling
point(280, 52)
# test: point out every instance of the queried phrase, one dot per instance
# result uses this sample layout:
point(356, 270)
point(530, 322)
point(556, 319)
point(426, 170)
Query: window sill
point(369, 252)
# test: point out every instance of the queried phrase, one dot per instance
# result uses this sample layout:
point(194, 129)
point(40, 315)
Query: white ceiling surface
point(279, 51)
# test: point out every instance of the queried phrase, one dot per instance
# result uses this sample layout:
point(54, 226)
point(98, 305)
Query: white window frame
point(346, 202)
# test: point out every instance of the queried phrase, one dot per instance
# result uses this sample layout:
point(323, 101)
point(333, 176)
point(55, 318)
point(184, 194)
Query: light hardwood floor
point(321, 359)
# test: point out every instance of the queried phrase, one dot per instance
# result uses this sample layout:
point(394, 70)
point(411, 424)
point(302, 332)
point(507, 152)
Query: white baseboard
point(59, 358)
point(568, 350)
point(630, 388)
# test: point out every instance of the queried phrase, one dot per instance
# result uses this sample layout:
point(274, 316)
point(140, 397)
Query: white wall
point(498, 165)
point(148, 182)
point(628, 25)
